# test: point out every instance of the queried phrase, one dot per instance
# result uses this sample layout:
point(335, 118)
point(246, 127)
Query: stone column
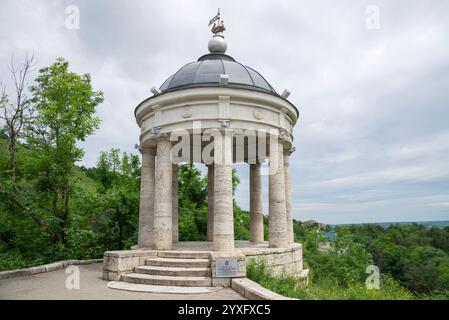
point(277, 218)
point(288, 198)
point(162, 225)
point(255, 203)
point(146, 204)
point(223, 203)
point(210, 202)
point(175, 204)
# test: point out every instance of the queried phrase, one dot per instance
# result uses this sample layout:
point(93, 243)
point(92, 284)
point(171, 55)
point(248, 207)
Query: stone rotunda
point(214, 111)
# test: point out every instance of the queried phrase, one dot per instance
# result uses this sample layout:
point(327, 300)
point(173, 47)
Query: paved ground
point(51, 285)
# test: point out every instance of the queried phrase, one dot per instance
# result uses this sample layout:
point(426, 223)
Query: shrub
point(325, 288)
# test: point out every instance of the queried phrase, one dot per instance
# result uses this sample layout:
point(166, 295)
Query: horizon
point(391, 222)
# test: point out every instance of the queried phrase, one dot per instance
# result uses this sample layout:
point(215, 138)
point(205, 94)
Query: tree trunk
point(65, 214)
point(120, 227)
point(55, 202)
point(12, 154)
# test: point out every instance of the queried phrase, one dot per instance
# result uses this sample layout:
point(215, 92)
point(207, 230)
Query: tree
point(192, 203)
point(118, 175)
point(15, 113)
point(64, 106)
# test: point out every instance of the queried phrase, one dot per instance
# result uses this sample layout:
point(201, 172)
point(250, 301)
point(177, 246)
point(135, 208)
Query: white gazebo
point(214, 111)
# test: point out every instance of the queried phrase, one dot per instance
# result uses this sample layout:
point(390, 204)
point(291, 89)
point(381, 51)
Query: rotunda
point(216, 111)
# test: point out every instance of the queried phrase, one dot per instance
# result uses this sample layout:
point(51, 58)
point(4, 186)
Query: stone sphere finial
point(217, 44)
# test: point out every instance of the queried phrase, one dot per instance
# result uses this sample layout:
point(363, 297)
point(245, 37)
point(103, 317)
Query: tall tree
point(64, 106)
point(15, 113)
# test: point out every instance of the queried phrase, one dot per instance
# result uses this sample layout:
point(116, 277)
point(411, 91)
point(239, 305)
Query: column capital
point(147, 150)
point(164, 136)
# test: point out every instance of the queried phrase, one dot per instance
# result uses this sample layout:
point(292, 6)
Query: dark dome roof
point(207, 70)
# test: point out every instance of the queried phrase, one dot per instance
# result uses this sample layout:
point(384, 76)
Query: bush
point(329, 290)
point(346, 264)
point(14, 260)
point(326, 288)
point(260, 272)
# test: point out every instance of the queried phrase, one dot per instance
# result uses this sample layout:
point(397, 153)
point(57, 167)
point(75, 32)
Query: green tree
point(193, 206)
point(192, 203)
point(64, 105)
point(115, 199)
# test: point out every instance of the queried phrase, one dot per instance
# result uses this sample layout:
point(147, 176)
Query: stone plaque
point(226, 267)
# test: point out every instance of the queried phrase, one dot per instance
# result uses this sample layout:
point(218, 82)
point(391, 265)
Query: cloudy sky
point(372, 142)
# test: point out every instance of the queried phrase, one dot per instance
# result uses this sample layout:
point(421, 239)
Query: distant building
point(313, 223)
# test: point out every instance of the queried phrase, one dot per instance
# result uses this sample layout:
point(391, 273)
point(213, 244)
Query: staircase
point(174, 268)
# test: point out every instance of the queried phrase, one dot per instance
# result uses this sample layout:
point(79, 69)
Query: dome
point(207, 70)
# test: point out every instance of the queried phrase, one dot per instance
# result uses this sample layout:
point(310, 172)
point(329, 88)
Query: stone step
point(169, 262)
point(128, 286)
point(174, 271)
point(167, 280)
point(184, 254)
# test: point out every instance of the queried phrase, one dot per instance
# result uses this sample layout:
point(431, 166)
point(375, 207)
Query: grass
point(328, 289)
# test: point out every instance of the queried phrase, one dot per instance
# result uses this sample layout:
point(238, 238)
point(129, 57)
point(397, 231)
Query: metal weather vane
point(218, 26)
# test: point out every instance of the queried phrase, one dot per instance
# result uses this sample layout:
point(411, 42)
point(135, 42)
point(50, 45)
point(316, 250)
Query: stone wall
point(45, 268)
point(280, 260)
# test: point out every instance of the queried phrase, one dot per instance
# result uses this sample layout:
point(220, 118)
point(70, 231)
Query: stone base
point(280, 260)
point(118, 263)
point(288, 260)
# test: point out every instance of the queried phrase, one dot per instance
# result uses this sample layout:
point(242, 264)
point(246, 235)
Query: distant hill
point(331, 234)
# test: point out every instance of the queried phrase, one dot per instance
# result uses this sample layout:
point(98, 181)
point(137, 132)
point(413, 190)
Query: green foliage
point(113, 206)
point(36, 208)
point(327, 290)
point(323, 288)
point(411, 259)
point(346, 264)
point(193, 206)
point(15, 260)
point(241, 223)
point(415, 255)
point(192, 189)
point(65, 105)
point(259, 271)
point(63, 113)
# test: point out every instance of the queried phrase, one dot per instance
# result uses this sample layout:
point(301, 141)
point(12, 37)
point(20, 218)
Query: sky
point(370, 80)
